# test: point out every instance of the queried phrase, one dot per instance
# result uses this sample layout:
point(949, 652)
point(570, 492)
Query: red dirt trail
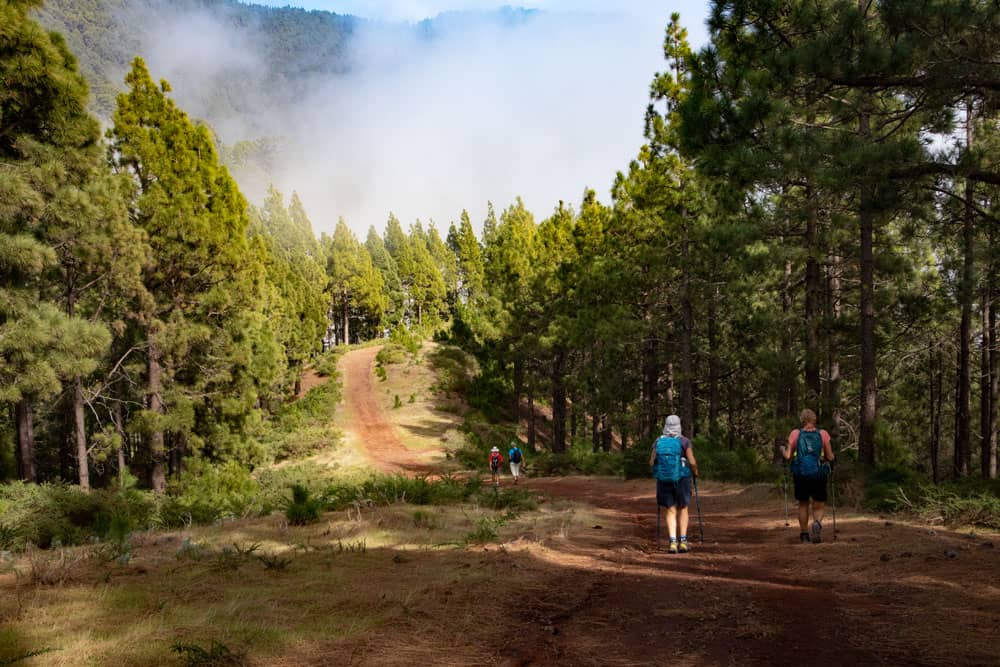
point(366, 420)
point(882, 593)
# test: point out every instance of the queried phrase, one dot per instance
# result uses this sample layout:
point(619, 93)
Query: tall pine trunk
point(558, 401)
point(531, 420)
point(990, 384)
point(80, 432)
point(650, 377)
point(833, 308)
point(934, 403)
point(813, 307)
point(713, 366)
point(25, 422)
point(869, 387)
point(963, 397)
point(687, 349)
point(345, 313)
point(157, 446)
point(785, 380)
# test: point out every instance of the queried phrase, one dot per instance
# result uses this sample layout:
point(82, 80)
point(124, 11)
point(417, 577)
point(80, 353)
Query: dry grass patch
point(352, 585)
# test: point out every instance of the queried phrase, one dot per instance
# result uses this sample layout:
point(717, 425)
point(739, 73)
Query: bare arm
point(827, 447)
point(689, 453)
point(652, 456)
point(793, 440)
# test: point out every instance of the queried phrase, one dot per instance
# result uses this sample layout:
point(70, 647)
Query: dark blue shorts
point(670, 494)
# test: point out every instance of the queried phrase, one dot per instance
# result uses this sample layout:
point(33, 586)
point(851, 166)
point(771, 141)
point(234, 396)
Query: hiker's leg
point(672, 521)
point(818, 508)
point(804, 516)
point(683, 520)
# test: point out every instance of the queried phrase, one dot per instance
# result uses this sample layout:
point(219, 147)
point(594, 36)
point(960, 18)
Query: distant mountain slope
point(228, 47)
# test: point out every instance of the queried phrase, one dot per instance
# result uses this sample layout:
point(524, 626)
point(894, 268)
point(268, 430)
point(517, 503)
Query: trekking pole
point(784, 487)
point(697, 504)
point(833, 490)
point(657, 525)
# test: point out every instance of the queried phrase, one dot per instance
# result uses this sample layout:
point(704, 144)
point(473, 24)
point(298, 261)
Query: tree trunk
point(345, 314)
point(785, 380)
point(595, 432)
point(813, 307)
point(558, 402)
point(935, 419)
point(963, 399)
point(687, 350)
point(869, 377)
point(531, 420)
point(157, 448)
point(986, 424)
point(24, 419)
point(120, 427)
point(80, 431)
point(832, 410)
point(936, 427)
point(650, 377)
point(518, 387)
point(605, 433)
point(713, 366)
point(994, 385)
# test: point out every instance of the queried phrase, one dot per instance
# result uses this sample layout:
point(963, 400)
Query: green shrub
point(952, 504)
point(303, 509)
point(743, 464)
point(206, 493)
point(391, 353)
point(48, 514)
point(326, 363)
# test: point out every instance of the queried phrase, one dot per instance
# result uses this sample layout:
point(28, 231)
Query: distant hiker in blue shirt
point(673, 463)
point(516, 458)
point(810, 468)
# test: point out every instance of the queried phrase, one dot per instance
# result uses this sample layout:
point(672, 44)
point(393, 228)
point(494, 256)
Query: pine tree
point(200, 274)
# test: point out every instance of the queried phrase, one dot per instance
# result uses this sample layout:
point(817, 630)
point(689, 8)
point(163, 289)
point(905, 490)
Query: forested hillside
point(292, 44)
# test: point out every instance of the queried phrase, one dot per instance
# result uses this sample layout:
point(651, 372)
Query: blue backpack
point(515, 455)
point(808, 450)
point(671, 465)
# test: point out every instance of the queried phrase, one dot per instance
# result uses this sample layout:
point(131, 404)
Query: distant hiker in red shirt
point(496, 461)
point(810, 468)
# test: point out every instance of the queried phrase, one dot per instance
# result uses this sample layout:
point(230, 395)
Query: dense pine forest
point(811, 222)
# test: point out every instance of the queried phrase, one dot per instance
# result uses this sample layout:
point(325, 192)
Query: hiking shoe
point(672, 549)
point(682, 547)
point(816, 536)
point(804, 538)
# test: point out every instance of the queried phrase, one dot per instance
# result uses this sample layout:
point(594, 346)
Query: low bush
point(391, 353)
point(303, 508)
point(207, 493)
point(302, 427)
point(326, 363)
point(743, 464)
point(47, 515)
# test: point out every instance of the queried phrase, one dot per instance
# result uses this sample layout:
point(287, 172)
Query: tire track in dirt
point(366, 424)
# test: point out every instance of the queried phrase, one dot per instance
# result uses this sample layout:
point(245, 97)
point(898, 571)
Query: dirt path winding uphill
point(366, 424)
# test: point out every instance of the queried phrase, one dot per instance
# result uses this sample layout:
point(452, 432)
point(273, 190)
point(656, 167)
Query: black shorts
point(669, 494)
point(810, 487)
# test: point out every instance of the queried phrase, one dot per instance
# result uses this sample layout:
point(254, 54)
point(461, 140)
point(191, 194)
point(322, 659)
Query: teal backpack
point(808, 452)
point(671, 466)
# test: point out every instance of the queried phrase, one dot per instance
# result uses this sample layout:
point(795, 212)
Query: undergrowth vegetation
point(50, 515)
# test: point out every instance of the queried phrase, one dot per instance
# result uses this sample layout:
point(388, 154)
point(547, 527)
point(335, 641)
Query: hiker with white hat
point(496, 461)
point(673, 463)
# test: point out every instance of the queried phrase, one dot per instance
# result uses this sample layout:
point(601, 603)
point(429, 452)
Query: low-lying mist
point(425, 119)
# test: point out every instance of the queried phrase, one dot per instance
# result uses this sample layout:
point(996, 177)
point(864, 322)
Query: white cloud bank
point(425, 128)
